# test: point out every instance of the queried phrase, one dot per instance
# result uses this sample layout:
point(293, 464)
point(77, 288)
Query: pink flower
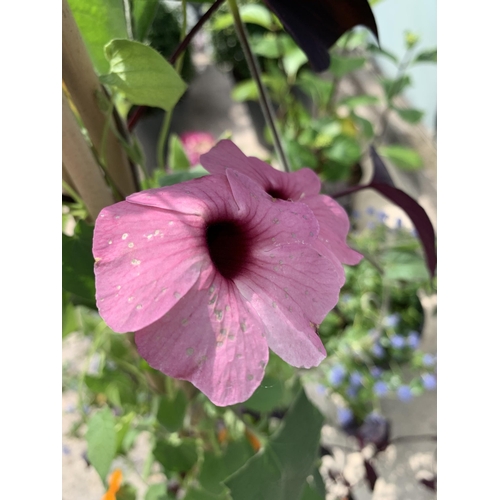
point(195, 144)
point(303, 185)
point(209, 273)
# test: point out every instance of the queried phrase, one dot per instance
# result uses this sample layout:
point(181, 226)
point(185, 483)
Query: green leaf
point(101, 441)
point(122, 428)
point(280, 471)
point(392, 88)
point(402, 157)
point(78, 262)
point(171, 412)
point(250, 13)
point(126, 492)
point(175, 178)
point(176, 457)
point(177, 159)
point(340, 65)
point(143, 13)
point(409, 115)
point(344, 150)
point(267, 46)
point(404, 266)
point(269, 395)
point(426, 56)
point(365, 126)
point(195, 493)
point(318, 88)
point(157, 491)
point(359, 100)
point(216, 468)
point(70, 319)
point(99, 21)
point(293, 60)
point(375, 49)
point(141, 73)
point(245, 91)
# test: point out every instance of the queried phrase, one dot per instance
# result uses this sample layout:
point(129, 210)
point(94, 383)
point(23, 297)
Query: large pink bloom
point(303, 185)
point(209, 273)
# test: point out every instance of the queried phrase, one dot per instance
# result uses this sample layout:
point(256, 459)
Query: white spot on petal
point(138, 306)
point(109, 242)
point(189, 351)
point(131, 245)
point(135, 262)
point(249, 377)
point(177, 295)
point(130, 299)
point(124, 236)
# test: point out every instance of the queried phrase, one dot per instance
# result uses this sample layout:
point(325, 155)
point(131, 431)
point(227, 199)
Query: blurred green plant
point(322, 128)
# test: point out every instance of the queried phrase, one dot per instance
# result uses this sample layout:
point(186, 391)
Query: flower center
point(228, 246)
point(278, 193)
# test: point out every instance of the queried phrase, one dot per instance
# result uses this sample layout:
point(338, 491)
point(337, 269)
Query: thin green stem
point(264, 99)
point(162, 139)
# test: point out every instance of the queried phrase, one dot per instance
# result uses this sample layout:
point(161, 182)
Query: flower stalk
point(265, 101)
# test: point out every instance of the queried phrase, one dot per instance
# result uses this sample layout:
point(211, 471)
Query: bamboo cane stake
point(81, 166)
point(83, 86)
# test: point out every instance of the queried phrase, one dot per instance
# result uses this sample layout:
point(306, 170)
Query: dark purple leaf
point(371, 474)
point(382, 182)
point(380, 172)
point(430, 483)
point(316, 25)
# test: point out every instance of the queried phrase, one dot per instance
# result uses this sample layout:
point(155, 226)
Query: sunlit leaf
point(143, 75)
point(402, 157)
point(99, 21)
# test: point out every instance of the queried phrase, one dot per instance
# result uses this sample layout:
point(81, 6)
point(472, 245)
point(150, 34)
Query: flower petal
point(226, 155)
point(334, 227)
point(207, 197)
point(271, 222)
point(211, 338)
point(146, 260)
point(292, 289)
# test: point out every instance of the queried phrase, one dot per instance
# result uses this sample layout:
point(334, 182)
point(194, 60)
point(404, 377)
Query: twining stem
point(177, 52)
point(265, 102)
point(160, 148)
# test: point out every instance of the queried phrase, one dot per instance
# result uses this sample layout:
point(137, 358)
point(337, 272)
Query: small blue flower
point(392, 320)
point(376, 371)
point(352, 391)
point(429, 360)
point(355, 214)
point(382, 216)
point(413, 339)
point(399, 223)
point(356, 379)
point(370, 210)
point(336, 376)
point(66, 450)
point(429, 380)
point(346, 297)
point(380, 388)
point(344, 415)
point(378, 350)
point(370, 225)
point(404, 394)
point(398, 341)
point(70, 408)
point(321, 389)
